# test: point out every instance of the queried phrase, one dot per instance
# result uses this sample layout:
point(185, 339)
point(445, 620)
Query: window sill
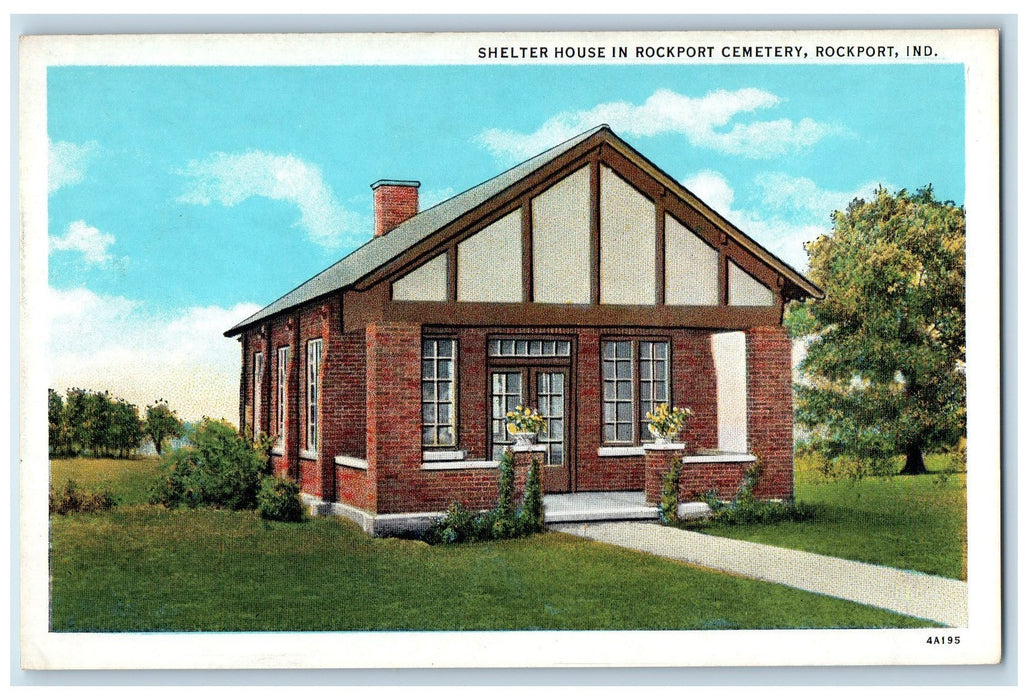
point(308, 454)
point(718, 457)
point(664, 447)
point(621, 451)
point(460, 465)
point(444, 456)
point(527, 448)
point(278, 450)
point(352, 462)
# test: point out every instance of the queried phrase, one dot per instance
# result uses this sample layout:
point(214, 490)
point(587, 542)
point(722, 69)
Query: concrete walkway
point(911, 593)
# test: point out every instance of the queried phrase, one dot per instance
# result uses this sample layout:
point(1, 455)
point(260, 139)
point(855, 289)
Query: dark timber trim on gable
point(601, 146)
point(592, 155)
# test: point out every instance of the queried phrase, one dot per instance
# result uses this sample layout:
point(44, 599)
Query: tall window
point(618, 391)
point(635, 380)
point(438, 418)
point(313, 390)
point(653, 381)
point(258, 386)
point(280, 393)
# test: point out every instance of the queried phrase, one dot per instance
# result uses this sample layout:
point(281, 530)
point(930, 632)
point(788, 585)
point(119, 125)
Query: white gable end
point(690, 267)
point(426, 283)
point(628, 243)
point(489, 262)
point(560, 242)
point(744, 290)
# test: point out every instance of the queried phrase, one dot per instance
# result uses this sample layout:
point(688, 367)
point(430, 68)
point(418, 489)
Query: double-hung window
point(258, 391)
point(438, 392)
point(636, 379)
point(280, 393)
point(313, 392)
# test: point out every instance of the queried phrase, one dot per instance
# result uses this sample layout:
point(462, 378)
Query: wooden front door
point(545, 389)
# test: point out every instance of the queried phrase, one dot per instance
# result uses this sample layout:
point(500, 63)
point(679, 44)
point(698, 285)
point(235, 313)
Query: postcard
point(553, 349)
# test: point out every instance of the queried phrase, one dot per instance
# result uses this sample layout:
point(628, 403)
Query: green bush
point(668, 509)
point(531, 517)
point(71, 500)
point(503, 522)
point(747, 509)
point(279, 499)
point(218, 467)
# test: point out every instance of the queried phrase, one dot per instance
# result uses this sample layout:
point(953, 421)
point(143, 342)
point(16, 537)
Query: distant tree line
point(95, 423)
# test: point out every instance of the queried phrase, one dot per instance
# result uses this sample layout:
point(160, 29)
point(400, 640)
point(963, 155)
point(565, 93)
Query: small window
point(280, 392)
point(313, 393)
point(511, 347)
point(438, 392)
point(258, 387)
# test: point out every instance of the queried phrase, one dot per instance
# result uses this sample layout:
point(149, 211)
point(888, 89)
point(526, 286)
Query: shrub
point(71, 500)
point(668, 509)
point(746, 509)
point(531, 517)
point(217, 468)
point(279, 499)
point(458, 525)
point(461, 525)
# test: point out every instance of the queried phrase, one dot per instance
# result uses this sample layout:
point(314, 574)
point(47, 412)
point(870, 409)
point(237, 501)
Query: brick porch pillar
point(522, 461)
point(769, 408)
point(658, 459)
point(393, 408)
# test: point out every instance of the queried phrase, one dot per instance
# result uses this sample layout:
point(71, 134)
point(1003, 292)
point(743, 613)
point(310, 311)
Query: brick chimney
point(395, 202)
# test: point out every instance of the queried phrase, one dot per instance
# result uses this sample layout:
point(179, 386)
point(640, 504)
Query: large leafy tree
point(884, 368)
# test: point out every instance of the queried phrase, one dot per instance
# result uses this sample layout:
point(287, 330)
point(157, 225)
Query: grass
point(145, 568)
point(907, 522)
point(129, 479)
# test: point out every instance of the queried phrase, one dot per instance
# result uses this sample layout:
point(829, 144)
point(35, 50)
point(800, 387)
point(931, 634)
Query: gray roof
point(380, 250)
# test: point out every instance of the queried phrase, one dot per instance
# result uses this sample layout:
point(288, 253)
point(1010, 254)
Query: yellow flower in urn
point(525, 420)
point(666, 422)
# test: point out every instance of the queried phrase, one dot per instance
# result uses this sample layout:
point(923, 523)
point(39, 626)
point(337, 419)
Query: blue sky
point(182, 198)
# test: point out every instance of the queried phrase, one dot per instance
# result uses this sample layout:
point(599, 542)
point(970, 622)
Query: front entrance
point(543, 388)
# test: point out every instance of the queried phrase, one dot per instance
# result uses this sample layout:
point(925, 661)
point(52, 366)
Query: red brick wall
point(355, 487)
point(697, 477)
point(371, 408)
point(695, 387)
point(724, 477)
point(473, 406)
point(394, 413)
point(281, 336)
point(769, 408)
point(344, 418)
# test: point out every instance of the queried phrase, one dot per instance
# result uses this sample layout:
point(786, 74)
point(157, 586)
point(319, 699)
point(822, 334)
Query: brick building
point(585, 282)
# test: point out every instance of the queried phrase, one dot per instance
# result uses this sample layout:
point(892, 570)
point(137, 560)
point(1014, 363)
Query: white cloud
point(701, 120)
point(801, 195)
point(68, 162)
point(782, 236)
point(231, 178)
point(86, 239)
point(110, 342)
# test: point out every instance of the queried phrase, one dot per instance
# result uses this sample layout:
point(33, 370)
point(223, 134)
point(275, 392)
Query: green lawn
point(143, 567)
point(908, 522)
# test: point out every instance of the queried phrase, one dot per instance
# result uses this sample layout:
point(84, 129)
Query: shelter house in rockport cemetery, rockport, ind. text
point(585, 282)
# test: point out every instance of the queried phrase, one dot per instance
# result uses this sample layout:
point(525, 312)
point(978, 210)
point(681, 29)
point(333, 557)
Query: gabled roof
point(381, 250)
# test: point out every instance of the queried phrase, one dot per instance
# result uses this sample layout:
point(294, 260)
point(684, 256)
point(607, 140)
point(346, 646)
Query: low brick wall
point(699, 478)
point(725, 476)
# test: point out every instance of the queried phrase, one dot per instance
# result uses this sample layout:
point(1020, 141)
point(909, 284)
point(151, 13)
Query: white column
point(729, 351)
